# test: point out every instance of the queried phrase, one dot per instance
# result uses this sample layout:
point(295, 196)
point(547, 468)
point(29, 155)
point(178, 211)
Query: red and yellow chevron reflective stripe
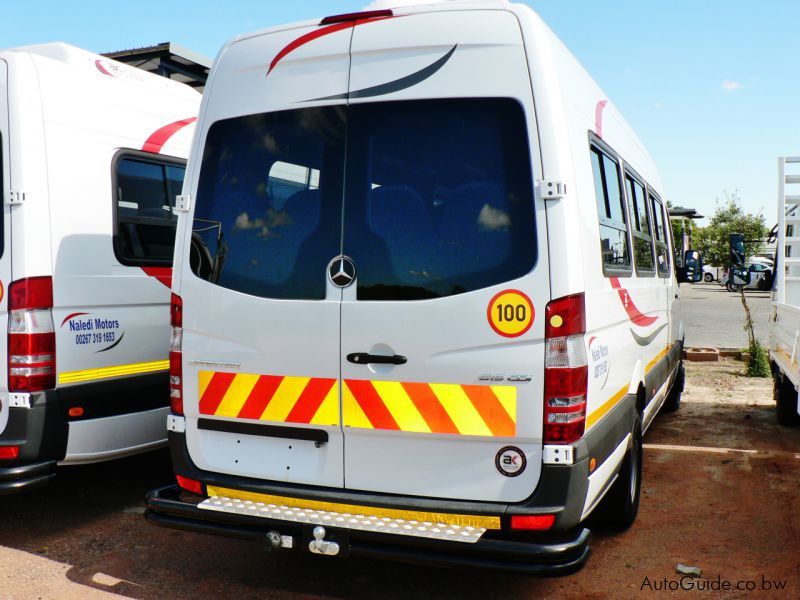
point(308, 400)
point(482, 410)
point(485, 410)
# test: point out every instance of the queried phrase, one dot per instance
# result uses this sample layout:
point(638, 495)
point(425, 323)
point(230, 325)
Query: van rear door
point(442, 330)
point(260, 318)
point(5, 237)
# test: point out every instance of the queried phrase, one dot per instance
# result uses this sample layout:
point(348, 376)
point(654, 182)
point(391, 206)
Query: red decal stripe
point(68, 317)
point(163, 274)
point(304, 39)
point(101, 68)
point(430, 408)
point(310, 400)
point(490, 410)
point(260, 397)
point(161, 136)
point(598, 117)
point(215, 392)
point(372, 405)
point(316, 34)
point(634, 314)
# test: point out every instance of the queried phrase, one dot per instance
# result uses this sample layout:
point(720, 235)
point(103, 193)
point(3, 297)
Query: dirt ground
point(721, 492)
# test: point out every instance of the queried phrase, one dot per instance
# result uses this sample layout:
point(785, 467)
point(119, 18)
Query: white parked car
point(760, 277)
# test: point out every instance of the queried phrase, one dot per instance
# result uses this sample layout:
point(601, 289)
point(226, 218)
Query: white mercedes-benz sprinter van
point(93, 152)
point(424, 303)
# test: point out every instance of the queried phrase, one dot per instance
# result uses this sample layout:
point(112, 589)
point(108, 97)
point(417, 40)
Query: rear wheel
point(785, 401)
point(620, 506)
point(708, 277)
point(673, 401)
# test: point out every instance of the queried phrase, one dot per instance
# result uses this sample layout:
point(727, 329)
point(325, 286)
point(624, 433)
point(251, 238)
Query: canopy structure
point(679, 213)
point(168, 60)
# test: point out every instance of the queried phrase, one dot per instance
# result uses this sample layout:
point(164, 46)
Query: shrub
point(759, 363)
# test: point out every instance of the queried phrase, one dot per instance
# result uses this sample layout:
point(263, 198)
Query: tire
point(673, 401)
point(785, 401)
point(708, 277)
point(618, 509)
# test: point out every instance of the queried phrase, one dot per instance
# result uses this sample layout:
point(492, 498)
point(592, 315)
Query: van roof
point(400, 7)
point(88, 62)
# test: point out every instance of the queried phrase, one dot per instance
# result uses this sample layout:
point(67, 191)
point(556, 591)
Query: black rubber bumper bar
point(26, 477)
point(548, 555)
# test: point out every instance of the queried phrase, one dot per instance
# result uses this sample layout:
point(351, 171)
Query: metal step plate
point(376, 523)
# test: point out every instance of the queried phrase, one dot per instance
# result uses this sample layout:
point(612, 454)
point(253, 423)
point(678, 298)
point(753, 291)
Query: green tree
point(713, 240)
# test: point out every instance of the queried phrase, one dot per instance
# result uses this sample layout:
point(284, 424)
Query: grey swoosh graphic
point(396, 85)
point(646, 340)
point(112, 345)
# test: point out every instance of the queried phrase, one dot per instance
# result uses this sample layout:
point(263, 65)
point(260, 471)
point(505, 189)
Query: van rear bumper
point(26, 477)
point(40, 433)
point(121, 416)
point(547, 554)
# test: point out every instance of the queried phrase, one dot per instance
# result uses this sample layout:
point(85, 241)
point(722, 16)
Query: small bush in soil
point(759, 364)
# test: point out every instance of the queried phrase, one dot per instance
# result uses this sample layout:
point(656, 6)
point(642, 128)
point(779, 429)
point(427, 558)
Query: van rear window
point(434, 199)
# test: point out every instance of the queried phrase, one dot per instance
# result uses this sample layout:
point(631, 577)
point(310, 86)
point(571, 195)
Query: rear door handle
point(364, 358)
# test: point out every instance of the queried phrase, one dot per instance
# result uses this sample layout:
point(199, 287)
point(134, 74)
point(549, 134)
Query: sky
point(710, 87)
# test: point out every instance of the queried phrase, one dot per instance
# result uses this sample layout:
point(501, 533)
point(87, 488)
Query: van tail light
point(31, 335)
point(175, 356)
point(190, 485)
point(357, 16)
point(566, 370)
point(532, 522)
point(9, 452)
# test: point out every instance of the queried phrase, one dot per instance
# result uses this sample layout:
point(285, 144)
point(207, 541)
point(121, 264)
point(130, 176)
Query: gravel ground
point(720, 492)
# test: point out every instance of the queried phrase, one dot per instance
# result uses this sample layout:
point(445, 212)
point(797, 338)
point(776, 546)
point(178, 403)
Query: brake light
point(9, 452)
point(532, 522)
point(31, 335)
point(175, 356)
point(190, 485)
point(356, 16)
point(566, 370)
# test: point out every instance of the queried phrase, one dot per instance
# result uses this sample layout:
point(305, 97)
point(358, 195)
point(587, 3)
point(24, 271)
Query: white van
point(93, 151)
point(435, 309)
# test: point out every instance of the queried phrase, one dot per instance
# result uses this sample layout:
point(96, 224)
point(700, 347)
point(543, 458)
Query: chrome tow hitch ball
point(320, 546)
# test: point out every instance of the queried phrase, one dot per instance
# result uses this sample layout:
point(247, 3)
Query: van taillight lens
point(175, 356)
point(31, 335)
point(357, 16)
point(9, 452)
point(190, 485)
point(566, 370)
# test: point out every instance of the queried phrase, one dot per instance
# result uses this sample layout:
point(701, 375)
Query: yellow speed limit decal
point(510, 313)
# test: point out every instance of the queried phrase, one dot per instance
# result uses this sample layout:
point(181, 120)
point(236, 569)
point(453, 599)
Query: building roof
point(169, 60)
point(685, 213)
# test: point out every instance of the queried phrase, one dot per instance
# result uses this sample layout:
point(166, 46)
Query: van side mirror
point(692, 269)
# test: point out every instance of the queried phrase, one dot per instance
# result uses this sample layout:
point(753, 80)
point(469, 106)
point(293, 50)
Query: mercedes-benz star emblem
point(342, 271)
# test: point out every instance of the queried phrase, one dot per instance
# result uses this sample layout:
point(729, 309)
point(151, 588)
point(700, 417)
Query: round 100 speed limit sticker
point(510, 313)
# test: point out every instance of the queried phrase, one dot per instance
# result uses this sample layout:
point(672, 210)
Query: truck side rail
point(784, 347)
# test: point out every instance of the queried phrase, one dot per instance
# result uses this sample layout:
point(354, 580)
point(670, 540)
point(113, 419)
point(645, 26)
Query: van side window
point(662, 251)
point(611, 214)
point(144, 191)
point(640, 227)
